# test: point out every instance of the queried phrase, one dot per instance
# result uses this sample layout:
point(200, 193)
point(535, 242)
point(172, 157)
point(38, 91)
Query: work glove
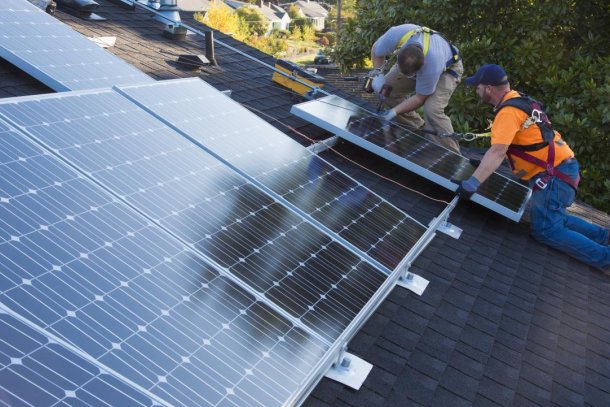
point(377, 84)
point(467, 187)
point(374, 72)
point(387, 115)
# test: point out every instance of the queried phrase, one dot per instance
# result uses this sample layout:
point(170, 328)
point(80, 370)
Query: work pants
point(434, 106)
point(569, 234)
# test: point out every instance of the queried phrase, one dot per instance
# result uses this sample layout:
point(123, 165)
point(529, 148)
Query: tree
point(557, 51)
point(255, 21)
point(222, 18)
point(294, 12)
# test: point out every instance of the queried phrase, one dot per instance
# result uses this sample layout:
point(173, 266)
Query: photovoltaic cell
point(412, 151)
point(283, 167)
point(36, 371)
point(55, 54)
point(211, 208)
point(85, 267)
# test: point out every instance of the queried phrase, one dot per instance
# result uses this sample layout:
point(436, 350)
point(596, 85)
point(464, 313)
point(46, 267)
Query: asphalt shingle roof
point(504, 321)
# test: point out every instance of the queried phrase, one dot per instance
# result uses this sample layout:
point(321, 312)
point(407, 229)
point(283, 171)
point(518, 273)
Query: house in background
point(312, 11)
point(276, 16)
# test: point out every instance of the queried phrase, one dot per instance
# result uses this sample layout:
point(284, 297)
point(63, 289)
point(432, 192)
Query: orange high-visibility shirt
point(507, 128)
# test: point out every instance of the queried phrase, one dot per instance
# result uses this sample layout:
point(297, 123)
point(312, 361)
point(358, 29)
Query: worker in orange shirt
point(522, 132)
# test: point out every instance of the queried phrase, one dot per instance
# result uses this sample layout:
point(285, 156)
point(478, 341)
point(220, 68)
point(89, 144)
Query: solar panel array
point(283, 167)
point(412, 152)
point(55, 54)
point(167, 275)
point(85, 267)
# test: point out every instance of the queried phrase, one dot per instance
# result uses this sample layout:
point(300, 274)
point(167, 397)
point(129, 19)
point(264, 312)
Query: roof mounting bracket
point(447, 228)
point(349, 369)
point(413, 282)
point(450, 229)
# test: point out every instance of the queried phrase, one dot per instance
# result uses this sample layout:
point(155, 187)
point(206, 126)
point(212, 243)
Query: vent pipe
point(209, 47)
point(169, 14)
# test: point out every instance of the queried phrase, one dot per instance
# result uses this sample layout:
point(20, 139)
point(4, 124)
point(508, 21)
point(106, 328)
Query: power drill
point(384, 93)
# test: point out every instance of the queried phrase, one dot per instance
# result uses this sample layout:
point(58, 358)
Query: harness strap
point(529, 106)
point(455, 53)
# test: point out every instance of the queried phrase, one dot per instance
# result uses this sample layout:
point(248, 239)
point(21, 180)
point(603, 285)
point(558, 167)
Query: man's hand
point(387, 115)
point(467, 188)
point(377, 84)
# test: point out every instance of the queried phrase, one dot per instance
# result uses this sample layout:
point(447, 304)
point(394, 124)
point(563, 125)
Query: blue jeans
point(571, 235)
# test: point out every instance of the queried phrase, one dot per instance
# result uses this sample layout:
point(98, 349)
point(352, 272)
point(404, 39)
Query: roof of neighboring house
point(312, 9)
point(504, 321)
point(270, 11)
point(273, 12)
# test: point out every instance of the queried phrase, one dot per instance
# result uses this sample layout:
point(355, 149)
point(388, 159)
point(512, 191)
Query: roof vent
point(193, 62)
point(80, 8)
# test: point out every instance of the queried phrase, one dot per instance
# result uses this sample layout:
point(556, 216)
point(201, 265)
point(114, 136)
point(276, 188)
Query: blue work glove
point(387, 115)
point(468, 187)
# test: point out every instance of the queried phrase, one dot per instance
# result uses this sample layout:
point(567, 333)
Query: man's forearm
point(410, 104)
point(491, 161)
point(376, 60)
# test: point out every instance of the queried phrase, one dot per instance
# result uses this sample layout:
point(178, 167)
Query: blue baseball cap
point(488, 74)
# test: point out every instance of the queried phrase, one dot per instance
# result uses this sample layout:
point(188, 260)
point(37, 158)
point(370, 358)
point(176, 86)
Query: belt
point(540, 180)
point(452, 73)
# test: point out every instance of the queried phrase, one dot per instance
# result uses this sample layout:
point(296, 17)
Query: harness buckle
point(541, 182)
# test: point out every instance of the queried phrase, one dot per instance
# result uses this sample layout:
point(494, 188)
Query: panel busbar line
point(37, 371)
point(85, 267)
point(208, 206)
point(55, 54)
point(413, 152)
point(283, 167)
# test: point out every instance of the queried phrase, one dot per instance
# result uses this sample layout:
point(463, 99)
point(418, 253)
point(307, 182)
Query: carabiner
point(468, 136)
point(537, 115)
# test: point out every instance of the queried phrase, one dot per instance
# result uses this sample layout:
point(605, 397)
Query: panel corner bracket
point(350, 370)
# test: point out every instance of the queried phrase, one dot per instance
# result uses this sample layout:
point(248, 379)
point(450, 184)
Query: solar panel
point(202, 202)
point(85, 267)
point(413, 152)
point(37, 371)
point(57, 55)
point(282, 167)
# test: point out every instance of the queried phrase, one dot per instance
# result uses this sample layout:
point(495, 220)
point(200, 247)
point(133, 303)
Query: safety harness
point(427, 33)
point(537, 116)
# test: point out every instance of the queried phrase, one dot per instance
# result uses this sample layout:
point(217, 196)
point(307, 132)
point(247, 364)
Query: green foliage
point(309, 33)
point(224, 19)
point(270, 45)
point(557, 51)
point(294, 12)
point(255, 22)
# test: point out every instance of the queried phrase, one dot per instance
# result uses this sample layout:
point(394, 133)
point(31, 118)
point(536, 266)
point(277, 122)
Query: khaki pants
point(434, 106)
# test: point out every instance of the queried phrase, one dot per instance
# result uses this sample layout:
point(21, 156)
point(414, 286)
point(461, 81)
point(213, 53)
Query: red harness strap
point(550, 170)
point(531, 106)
